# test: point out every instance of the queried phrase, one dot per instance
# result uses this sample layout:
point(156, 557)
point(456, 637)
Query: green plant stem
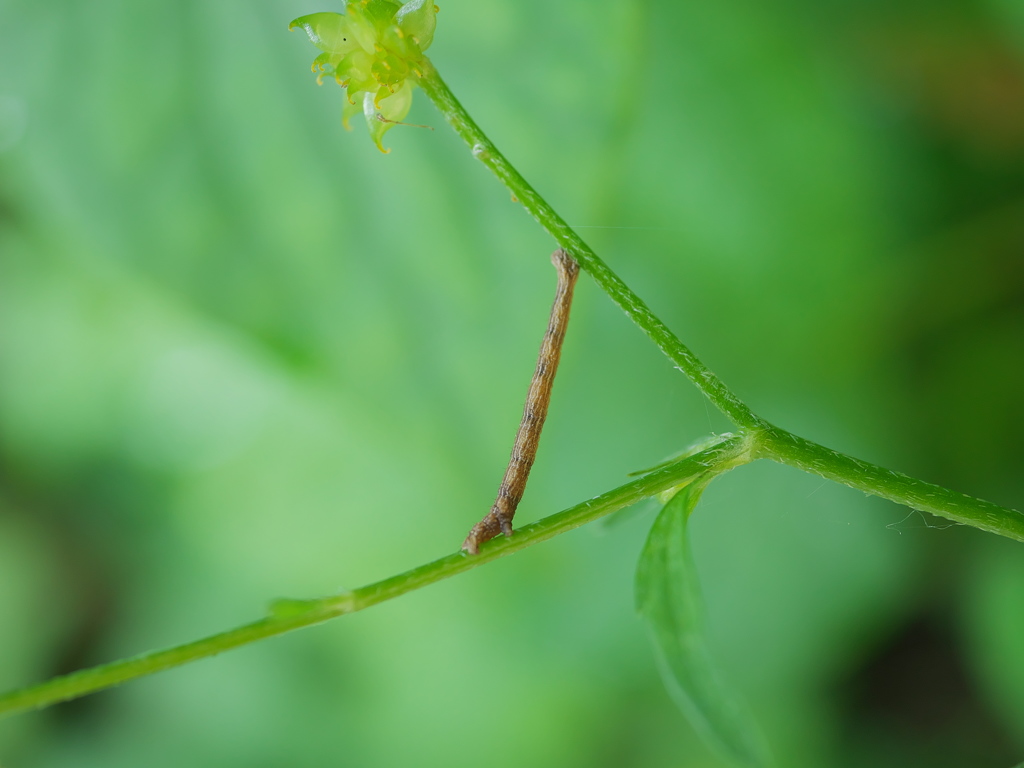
point(775, 443)
point(485, 151)
point(288, 615)
point(758, 439)
point(786, 448)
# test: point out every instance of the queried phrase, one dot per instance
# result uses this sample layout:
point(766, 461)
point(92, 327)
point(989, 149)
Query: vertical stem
point(484, 151)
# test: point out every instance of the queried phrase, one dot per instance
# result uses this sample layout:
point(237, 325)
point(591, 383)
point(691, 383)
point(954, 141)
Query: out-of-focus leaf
point(668, 597)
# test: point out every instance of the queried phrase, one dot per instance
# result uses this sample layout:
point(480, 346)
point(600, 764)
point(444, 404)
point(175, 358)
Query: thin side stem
point(485, 151)
point(288, 615)
point(786, 448)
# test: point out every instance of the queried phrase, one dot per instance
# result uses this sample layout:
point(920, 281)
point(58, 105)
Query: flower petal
point(362, 27)
point(381, 12)
point(418, 19)
point(330, 32)
point(383, 114)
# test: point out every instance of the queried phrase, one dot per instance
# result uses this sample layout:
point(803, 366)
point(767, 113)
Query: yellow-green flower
point(374, 50)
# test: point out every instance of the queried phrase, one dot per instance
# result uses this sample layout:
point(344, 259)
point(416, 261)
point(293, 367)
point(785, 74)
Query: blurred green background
point(244, 355)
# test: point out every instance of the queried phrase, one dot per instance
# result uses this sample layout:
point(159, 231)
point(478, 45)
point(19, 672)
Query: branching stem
point(757, 439)
point(774, 443)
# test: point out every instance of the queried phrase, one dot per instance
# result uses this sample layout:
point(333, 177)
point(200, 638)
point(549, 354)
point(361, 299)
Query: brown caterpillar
point(524, 450)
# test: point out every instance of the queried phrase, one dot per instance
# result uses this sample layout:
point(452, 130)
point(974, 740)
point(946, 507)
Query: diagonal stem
point(786, 448)
point(288, 615)
point(482, 148)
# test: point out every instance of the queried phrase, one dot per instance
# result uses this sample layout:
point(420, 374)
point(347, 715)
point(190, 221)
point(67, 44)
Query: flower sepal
point(374, 50)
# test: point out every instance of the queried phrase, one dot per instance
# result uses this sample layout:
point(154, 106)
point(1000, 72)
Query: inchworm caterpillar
point(499, 519)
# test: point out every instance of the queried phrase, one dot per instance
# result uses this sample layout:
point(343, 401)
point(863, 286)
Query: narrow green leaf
point(668, 597)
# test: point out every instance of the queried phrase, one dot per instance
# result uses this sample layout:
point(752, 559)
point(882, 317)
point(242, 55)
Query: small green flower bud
point(373, 50)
